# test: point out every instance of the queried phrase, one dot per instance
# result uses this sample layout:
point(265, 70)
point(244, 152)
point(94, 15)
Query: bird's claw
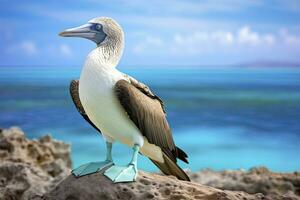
point(91, 167)
point(122, 173)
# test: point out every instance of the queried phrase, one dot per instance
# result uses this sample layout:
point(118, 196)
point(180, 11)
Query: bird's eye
point(98, 26)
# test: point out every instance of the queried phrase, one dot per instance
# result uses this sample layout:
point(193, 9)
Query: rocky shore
point(40, 169)
point(30, 167)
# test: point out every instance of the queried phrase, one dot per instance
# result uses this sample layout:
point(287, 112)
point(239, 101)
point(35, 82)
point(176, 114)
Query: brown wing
point(74, 85)
point(145, 89)
point(146, 111)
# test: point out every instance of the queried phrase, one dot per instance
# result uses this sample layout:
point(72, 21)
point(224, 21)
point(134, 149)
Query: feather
point(147, 112)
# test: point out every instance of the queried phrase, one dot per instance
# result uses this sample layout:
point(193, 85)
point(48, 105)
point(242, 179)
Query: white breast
point(96, 92)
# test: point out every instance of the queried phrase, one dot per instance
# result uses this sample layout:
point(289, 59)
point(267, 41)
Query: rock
point(46, 153)
point(30, 167)
point(40, 170)
point(256, 180)
point(21, 181)
point(147, 186)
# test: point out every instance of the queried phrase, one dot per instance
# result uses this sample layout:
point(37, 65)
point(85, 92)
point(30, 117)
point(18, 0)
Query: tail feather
point(169, 167)
point(182, 155)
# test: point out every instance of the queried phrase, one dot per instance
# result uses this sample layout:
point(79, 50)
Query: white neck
point(109, 52)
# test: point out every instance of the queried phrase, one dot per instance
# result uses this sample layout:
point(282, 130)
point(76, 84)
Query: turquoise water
point(225, 118)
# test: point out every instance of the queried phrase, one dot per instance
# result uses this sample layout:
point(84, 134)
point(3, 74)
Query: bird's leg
point(133, 161)
point(124, 173)
point(94, 167)
point(108, 152)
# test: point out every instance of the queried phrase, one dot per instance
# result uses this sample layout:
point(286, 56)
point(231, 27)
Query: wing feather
point(74, 86)
point(147, 112)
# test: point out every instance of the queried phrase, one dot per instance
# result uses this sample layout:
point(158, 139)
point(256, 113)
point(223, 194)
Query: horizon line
point(269, 64)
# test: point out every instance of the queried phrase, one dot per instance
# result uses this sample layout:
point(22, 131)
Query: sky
point(157, 33)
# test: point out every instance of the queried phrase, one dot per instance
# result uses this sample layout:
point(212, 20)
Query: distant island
point(266, 63)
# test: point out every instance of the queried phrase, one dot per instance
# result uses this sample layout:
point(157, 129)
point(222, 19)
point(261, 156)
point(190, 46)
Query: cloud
point(198, 42)
point(60, 51)
point(192, 43)
point(146, 42)
point(65, 50)
point(29, 47)
point(26, 47)
point(289, 39)
point(172, 29)
point(246, 36)
point(223, 37)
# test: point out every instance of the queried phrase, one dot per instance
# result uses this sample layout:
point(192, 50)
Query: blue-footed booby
point(120, 107)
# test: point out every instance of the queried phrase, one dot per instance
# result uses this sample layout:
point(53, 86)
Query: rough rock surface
point(147, 186)
point(30, 167)
point(40, 169)
point(256, 180)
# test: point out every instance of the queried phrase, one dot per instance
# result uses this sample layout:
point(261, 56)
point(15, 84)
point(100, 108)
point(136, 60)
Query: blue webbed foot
point(122, 173)
point(91, 167)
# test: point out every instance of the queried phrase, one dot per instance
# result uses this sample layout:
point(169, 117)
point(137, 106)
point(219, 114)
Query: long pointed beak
point(83, 31)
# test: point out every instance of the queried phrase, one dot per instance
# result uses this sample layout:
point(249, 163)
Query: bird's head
point(105, 32)
point(99, 30)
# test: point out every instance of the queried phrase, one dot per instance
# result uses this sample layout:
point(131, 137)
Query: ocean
point(224, 118)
